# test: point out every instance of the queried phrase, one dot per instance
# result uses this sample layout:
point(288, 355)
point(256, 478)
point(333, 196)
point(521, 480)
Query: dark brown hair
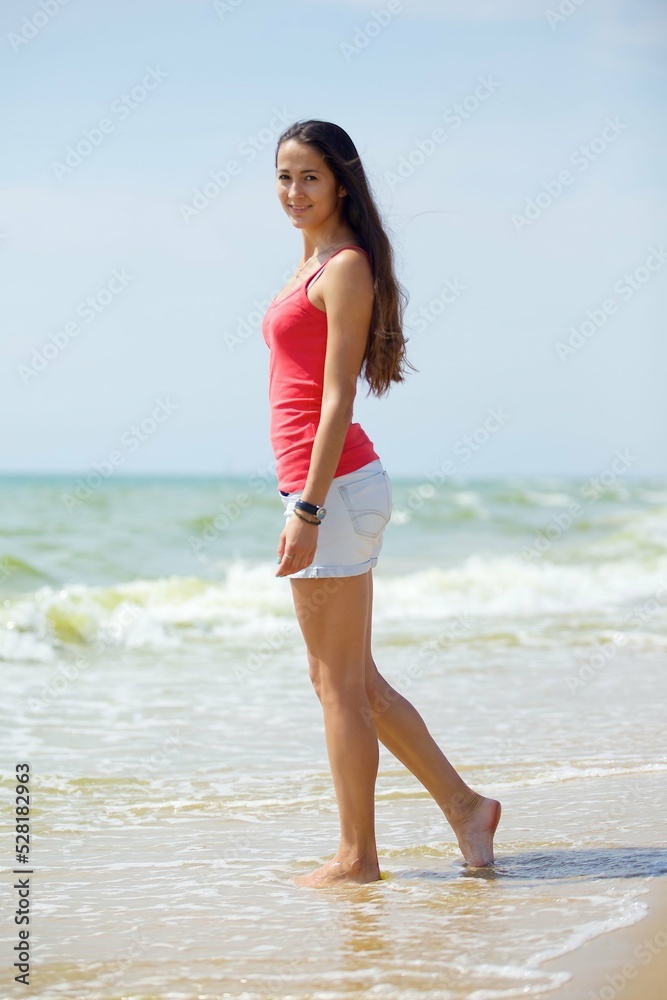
point(385, 358)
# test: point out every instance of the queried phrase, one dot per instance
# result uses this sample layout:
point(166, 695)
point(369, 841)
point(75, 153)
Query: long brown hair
point(385, 358)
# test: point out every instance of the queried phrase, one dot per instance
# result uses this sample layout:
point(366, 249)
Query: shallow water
point(155, 679)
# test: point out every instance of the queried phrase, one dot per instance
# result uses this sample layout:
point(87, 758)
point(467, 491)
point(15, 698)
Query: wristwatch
point(311, 508)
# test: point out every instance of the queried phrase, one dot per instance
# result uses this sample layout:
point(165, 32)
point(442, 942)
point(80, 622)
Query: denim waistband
point(370, 467)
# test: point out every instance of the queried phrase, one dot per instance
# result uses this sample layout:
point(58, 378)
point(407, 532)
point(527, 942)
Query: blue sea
point(155, 679)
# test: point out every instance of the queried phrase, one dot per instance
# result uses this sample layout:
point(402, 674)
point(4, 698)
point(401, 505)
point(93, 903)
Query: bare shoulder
point(347, 275)
point(350, 263)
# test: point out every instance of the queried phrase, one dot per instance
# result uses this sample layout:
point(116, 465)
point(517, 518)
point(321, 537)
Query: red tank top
point(295, 331)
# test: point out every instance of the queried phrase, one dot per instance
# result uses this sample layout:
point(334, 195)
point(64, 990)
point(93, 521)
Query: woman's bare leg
point(330, 614)
point(333, 616)
point(401, 729)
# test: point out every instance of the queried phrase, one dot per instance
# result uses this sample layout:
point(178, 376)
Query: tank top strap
point(349, 246)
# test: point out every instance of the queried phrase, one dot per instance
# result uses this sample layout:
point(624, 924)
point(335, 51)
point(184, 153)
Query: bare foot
point(335, 872)
point(475, 829)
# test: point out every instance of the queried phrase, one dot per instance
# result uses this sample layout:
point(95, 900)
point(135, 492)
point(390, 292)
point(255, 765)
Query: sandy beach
point(626, 964)
point(157, 683)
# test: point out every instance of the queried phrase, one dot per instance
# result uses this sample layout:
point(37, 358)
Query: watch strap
point(308, 508)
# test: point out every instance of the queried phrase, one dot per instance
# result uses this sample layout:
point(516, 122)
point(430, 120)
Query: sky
point(518, 156)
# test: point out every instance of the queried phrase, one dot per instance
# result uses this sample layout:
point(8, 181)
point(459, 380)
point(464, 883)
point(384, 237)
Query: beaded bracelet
point(317, 523)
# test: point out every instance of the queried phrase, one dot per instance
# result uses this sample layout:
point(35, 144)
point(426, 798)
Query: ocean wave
point(250, 602)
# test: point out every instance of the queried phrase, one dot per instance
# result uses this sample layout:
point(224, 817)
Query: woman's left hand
point(299, 539)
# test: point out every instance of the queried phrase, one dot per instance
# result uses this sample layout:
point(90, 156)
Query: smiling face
point(307, 188)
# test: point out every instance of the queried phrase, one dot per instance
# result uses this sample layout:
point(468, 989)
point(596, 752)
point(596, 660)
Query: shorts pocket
point(368, 503)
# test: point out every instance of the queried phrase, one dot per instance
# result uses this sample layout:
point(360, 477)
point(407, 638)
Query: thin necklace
point(300, 269)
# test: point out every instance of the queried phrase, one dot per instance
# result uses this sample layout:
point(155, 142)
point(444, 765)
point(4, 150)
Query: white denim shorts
point(350, 537)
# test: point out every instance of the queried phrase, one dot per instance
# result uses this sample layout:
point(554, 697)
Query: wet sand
point(626, 964)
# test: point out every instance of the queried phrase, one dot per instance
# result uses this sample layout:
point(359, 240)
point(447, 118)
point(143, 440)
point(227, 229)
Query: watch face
point(321, 512)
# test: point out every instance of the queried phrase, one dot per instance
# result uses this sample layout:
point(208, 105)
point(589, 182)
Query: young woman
point(338, 319)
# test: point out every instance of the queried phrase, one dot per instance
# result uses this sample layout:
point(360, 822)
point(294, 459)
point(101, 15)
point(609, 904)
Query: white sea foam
point(166, 777)
point(250, 602)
